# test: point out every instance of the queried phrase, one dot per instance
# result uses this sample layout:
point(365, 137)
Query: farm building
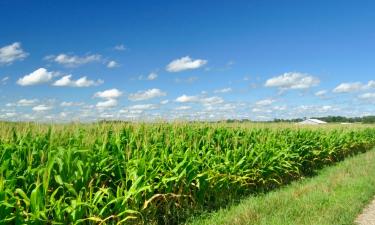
point(312, 122)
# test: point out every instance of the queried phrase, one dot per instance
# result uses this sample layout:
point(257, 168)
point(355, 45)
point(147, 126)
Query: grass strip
point(335, 196)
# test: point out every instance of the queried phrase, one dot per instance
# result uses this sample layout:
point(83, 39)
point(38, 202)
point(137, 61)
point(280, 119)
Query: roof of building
point(312, 121)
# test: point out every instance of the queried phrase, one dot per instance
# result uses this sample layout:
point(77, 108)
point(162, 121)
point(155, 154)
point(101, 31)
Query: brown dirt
point(368, 215)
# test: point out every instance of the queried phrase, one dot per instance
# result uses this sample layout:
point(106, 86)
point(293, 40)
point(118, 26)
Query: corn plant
point(122, 173)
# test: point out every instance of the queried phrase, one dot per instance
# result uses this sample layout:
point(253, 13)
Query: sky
point(64, 61)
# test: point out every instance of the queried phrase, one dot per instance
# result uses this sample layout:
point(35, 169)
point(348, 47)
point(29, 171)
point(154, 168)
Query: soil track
point(368, 215)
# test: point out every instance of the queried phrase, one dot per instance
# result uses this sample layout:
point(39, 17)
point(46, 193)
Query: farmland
point(156, 173)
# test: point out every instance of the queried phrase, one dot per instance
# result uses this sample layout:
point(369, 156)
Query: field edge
point(336, 195)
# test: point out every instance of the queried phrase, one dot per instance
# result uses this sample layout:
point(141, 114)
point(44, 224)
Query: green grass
point(335, 196)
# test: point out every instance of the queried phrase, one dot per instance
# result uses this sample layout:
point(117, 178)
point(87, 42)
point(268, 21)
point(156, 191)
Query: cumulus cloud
point(112, 64)
point(199, 99)
point(108, 94)
point(41, 108)
point(109, 103)
point(164, 102)
point(8, 115)
point(27, 102)
point(186, 98)
point(265, 102)
point(147, 94)
point(212, 100)
point(292, 80)
point(4, 80)
point(69, 104)
point(280, 107)
point(185, 63)
point(224, 90)
point(184, 107)
point(353, 87)
point(314, 109)
point(11, 53)
point(81, 82)
point(73, 60)
point(39, 76)
point(368, 97)
point(110, 97)
point(152, 76)
point(321, 93)
point(348, 87)
point(143, 107)
point(261, 110)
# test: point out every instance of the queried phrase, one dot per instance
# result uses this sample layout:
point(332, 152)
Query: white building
point(312, 121)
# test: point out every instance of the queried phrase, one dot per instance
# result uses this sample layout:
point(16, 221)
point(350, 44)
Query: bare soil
point(368, 215)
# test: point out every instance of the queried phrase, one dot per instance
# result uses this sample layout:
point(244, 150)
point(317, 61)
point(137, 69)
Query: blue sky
point(202, 60)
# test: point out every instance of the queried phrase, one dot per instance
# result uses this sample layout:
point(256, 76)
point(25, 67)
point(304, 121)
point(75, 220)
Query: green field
point(158, 173)
point(337, 195)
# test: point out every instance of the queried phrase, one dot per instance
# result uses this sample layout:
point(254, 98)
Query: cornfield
point(123, 173)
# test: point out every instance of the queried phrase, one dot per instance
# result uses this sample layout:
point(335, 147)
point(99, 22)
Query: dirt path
point(368, 215)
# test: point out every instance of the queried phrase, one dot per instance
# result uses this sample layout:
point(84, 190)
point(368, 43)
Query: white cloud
point(108, 94)
point(292, 80)
point(129, 112)
point(224, 90)
point(203, 100)
point(368, 97)
point(353, 87)
point(164, 102)
point(185, 63)
point(81, 82)
point(265, 102)
point(143, 107)
point(73, 60)
point(106, 115)
point(313, 110)
point(12, 53)
point(39, 76)
point(186, 98)
point(148, 94)
point(41, 108)
point(321, 93)
point(212, 100)
point(262, 110)
point(371, 84)
point(280, 108)
point(120, 47)
point(152, 76)
point(109, 103)
point(4, 80)
point(8, 115)
point(184, 107)
point(348, 87)
point(27, 102)
point(112, 64)
point(326, 108)
point(68, 104)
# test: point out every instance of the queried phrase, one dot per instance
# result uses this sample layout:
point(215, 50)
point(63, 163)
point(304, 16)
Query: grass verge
point(336, 195)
